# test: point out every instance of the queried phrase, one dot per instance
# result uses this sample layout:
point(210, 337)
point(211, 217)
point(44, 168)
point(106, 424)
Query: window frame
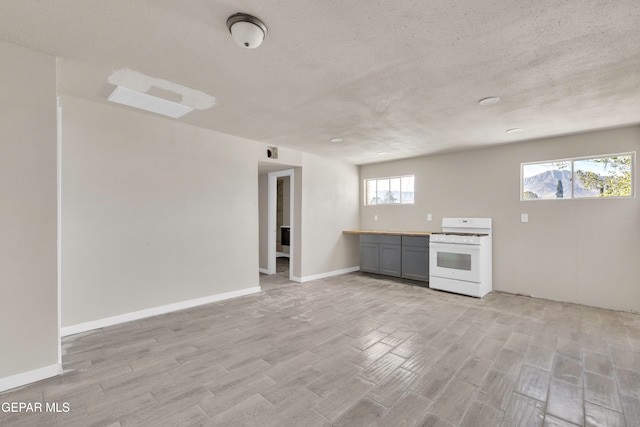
point(571, 161)
point(388, 178)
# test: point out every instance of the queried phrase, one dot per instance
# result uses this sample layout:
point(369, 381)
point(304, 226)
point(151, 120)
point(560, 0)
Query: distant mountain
point(545, 185)
point(407, 197)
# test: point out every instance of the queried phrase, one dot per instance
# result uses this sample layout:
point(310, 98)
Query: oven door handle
point(458, 246)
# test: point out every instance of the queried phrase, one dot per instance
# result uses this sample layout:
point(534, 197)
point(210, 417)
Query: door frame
point(59, 221)
point(272, 205)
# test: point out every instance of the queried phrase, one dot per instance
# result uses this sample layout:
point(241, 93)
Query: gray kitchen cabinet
point(395, 255)
point(415, 258)
point(391, 260)
point(369, 257)
point(381, 254)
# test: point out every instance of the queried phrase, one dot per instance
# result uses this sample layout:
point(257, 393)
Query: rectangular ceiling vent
point(153, 104)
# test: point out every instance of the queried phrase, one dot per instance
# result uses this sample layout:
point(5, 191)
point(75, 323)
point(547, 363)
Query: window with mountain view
point(397, 190)
point(586, 177)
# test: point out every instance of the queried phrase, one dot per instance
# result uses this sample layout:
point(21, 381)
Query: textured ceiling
point(398, 77)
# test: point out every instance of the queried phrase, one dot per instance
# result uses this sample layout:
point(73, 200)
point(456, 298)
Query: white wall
point(155, 212)
point(582, 251)
point(28, 218)
point(330, 204)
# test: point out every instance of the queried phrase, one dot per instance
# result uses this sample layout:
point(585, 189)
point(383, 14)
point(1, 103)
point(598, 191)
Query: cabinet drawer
point(390, 240)
point(417, 241)
point(381, 238)
point(369, 238)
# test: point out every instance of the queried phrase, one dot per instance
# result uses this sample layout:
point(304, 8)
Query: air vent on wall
point(272, 152)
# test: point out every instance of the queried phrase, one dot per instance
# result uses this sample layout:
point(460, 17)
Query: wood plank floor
point(352, 350)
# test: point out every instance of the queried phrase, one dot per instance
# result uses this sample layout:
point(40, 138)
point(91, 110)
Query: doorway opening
point(280, 222)
point(283, 225)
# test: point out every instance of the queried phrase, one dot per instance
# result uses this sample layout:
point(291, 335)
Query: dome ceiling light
point(489, 100)
point(246, 30)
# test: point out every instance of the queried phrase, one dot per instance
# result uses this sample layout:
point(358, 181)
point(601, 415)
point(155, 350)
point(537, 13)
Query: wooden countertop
point(390, 233)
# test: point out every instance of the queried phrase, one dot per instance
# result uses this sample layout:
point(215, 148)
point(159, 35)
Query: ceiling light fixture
point(153, 104)
point(490, 100)
point(246, 30)
point(514, 130)
point(336, 140)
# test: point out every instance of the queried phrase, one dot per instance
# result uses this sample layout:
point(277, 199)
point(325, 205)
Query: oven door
point(455, 261)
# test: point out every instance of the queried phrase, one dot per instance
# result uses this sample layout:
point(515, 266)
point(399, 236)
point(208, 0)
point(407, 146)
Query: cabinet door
point(369, 255)
point(415, 263)
point(390, 260)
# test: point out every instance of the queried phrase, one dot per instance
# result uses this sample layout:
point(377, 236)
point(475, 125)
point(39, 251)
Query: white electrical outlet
point(429, 217)
point(375, 217)
point(524, 217)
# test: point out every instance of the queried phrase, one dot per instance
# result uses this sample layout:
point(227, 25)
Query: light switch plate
point(375, 217)
point(524, 217)
point(429, 217)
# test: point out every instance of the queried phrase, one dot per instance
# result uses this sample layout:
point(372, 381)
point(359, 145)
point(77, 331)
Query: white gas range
point(460, 257)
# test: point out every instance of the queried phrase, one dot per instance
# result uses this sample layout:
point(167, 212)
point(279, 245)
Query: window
point(584, 177)
point(397, 190)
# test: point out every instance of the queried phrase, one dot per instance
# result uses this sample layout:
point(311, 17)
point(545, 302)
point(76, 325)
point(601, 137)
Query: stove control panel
point(452, 238)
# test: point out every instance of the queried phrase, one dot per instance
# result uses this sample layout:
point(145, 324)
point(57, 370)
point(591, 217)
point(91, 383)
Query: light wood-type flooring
point(351, 350)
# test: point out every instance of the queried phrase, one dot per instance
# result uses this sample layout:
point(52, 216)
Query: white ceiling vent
point(132, 98)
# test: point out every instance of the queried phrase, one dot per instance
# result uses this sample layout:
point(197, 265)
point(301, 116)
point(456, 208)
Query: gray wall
point(154, 212)
point(28, 218)
point(582, 251)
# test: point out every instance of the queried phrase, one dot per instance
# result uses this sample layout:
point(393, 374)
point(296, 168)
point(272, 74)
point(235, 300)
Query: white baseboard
point(325, 275)
point(127, 317)
point(264, 271)
point(282, 255)
point(24, 378)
